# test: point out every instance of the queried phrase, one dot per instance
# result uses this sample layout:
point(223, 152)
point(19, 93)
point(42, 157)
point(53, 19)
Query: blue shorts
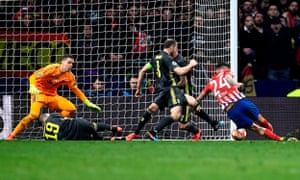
point(243, 113)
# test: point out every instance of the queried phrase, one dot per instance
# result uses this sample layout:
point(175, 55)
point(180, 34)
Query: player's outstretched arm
point(142, 73)
point(84, 99)
point(183, 70)
point(92, 106)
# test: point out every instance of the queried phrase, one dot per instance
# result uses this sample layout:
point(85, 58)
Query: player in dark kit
point(57, 127)
point(184, 82)
point(168, 94)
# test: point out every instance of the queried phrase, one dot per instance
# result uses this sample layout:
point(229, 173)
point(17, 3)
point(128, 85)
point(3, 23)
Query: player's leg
point(35, 109)
point(184, 124)
point(175, 113)
point(107, 127)
point(66, 107)
point(242, 114)
point(176, 100)
point(197, 110)
point(264, 122)
point(159, 103)
point(265, 132)
point(255, 115)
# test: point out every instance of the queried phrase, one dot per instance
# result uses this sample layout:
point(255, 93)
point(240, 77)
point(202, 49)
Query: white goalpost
point(111, 41)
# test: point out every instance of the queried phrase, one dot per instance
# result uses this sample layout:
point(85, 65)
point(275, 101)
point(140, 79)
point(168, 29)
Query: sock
point(267, 124)
point(191, 128)
point(163, 123)
point(103, 127)
point(268, 133)
point(145, 118)
point(22, 125)
point(205, 116)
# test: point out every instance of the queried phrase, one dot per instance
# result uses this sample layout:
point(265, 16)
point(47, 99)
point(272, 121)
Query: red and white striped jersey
point(224, 92)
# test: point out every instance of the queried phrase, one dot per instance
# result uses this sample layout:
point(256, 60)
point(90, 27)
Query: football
point(239, 134)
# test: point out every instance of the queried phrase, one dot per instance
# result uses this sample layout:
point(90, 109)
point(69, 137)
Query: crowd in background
point(269, 38)
point(111, 40)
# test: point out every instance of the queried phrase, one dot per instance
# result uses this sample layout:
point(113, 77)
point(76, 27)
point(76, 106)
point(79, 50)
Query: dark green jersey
point(163, 66)
point(59, 128)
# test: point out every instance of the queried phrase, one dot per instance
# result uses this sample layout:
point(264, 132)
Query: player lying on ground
point(242, 111)
point(43, 90)
point(57, 127)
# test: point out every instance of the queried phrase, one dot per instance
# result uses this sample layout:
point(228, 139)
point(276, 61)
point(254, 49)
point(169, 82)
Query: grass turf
point(149, 160)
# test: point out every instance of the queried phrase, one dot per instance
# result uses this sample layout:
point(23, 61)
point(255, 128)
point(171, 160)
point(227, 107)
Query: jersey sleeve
point(43, 72)
point(170, 63)
point(73, 86)
point(207, 89)
point(181, 61)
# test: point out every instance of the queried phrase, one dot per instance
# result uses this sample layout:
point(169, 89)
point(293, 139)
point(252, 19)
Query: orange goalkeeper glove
point(33, 89)
point(92, 106)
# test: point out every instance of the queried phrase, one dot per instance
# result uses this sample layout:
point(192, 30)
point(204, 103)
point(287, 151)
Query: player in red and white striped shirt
point(242, 111)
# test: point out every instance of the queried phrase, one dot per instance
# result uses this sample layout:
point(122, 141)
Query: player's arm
point(204, 93)
point(141, 75)
point(38, 74)
point(232, 81)
point(183, 70)
point(73, 86)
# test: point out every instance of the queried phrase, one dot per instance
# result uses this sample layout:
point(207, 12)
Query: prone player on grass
point(43, 90)
point(57, 127)
point(242, 111)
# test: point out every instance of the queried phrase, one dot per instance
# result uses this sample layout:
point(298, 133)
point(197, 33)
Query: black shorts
point(170, 97)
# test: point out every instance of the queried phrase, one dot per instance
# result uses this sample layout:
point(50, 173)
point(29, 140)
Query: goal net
point(111, 41)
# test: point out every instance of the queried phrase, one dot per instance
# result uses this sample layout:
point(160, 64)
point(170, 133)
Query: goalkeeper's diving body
point(43, 90)
point(57, 127)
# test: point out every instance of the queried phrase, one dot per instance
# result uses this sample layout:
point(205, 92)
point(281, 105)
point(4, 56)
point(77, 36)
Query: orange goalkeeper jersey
point(49, 78)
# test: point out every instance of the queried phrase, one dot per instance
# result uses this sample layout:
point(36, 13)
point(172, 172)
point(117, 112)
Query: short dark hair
point(67, 56)
point(169, 42)
point(222, 65)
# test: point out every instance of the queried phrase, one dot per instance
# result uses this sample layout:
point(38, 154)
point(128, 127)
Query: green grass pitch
point(164, 160)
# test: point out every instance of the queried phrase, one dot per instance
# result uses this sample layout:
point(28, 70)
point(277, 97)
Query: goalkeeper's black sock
point(163, 123)
point(145, 118)
point(191, 128)
point(103, 127)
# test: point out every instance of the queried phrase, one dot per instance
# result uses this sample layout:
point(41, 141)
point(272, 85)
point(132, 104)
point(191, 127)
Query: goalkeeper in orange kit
point(43, 89)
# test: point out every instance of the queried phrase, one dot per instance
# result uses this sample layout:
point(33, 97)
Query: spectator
point(164, 28)
point(114, 70)
point(56, 24)
point(111, 32)
point(283, 6)
point(272, 12)
point(247, 8)
point(97, 88)
point(278, 50)
point(293, 22)
point(131, 86)
point(26, 22)
point(259, 22)
point(185, 28)
point(86, 49)
point(291, 16)
point(252, 48)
